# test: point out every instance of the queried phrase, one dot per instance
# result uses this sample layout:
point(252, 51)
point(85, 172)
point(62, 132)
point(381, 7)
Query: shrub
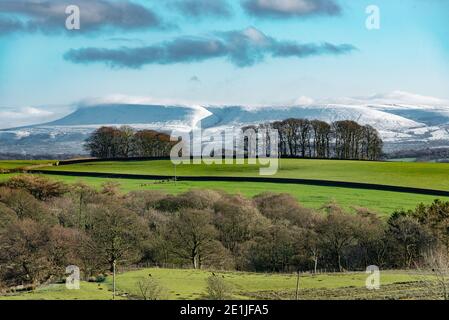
point(150, 289)
point(41, 188)
point(218, 289)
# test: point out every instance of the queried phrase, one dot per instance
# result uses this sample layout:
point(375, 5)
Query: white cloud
point(396, 98)
point(18, 117)
point(291, 8)
point(303, 100)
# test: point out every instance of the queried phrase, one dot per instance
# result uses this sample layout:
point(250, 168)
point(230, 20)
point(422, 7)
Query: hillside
point(418, 175)
point(401, 127)
point(179, 284)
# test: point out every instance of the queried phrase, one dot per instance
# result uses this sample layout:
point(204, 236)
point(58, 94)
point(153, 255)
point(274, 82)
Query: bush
point(150, 289)
point(41, 188)
point(218, 289)
point(24, 205)
point(98, 279)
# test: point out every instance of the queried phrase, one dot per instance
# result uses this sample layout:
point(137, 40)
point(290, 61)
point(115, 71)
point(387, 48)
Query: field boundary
point(311, 182)
point(131, 159)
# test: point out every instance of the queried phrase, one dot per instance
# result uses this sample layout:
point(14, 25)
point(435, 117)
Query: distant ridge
point(401, 127)
point(123, 114)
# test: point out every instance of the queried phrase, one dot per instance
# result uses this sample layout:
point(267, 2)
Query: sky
point(245, 52)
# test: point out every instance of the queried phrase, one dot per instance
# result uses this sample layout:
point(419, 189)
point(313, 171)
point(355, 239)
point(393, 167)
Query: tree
point(237, 221)
point(40, 187)
point(436, 218)
point(7, 216)
point(101, 143)
point(25, 205)
point(341, 139)
point(274, 249)
point(116, 232)
point(435, 274)
point(371, 144)
point(283, 206)
point(125, 142)
point(410, 239)
point(304, 137)
point(193, 199)
point(192, 235)
point(321, 138)
point(371, 238)
point(82, 195)
point(150, 143)
point(338, 232)
point(33, 253)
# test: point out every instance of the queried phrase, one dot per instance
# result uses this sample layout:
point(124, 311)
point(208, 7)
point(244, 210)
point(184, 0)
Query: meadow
point(187, 284)
point(407, 174)
point(382, 202)
point(423, 175)
point(21, 164)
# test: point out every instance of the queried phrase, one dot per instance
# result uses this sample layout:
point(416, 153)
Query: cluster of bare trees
point(124, 142)
point(318, 139)
point(43, 231)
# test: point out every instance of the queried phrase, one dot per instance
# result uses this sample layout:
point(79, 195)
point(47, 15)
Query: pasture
point(406, 174)
point(421, 175)
point(382, 202)
point(188, 284)
point(21, 164)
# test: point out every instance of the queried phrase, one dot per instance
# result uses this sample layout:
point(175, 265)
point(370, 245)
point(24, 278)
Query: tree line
point(297, 138)
point(318, 139)
point(125, 142)
point(46, 226)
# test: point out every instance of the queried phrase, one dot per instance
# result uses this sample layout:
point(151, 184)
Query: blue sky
point(130, 54)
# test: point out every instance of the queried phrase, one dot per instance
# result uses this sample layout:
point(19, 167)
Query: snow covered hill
point(401, 126)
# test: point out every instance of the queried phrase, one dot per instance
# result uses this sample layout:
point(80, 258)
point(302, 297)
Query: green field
point(424, 175)
point(383, 202)
point(20, 164)
point(407, 174)
point(185, 284)
point(88, 291)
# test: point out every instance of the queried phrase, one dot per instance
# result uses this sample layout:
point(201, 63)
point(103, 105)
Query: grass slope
point(185, 284)
point(191, 284)
point(88, 291)
point(383, 202)
point(423, 175)
point(420, 175)
point(20, 164)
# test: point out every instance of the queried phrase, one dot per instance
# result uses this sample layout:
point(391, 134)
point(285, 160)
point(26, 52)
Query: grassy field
point(88, 291)
point(408, 174)
point(186, 284)
point(424, 175)
point(191, 284)
point(20, 164)
point(383, 202)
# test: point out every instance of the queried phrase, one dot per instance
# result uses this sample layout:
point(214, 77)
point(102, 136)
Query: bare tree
point(150, 289)
point(435, 274)
point(218, 288)
point(192, 235)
